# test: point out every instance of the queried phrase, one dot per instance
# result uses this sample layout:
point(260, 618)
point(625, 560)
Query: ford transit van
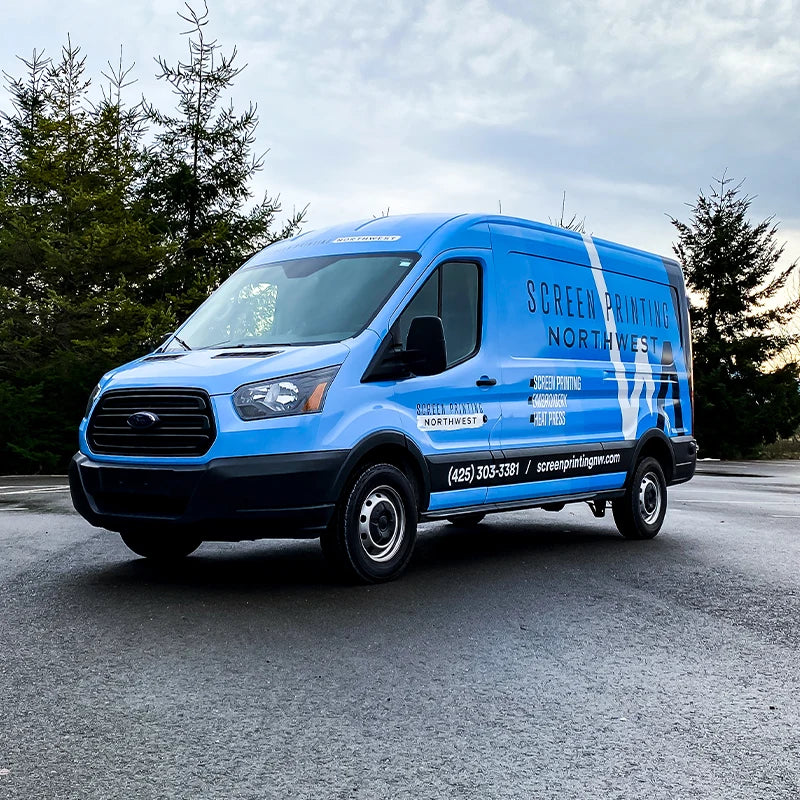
point(348, 383)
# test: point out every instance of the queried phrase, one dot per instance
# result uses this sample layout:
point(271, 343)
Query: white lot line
point(739, 502)
point(33, 490)
point(757, 504)
point(699, 490)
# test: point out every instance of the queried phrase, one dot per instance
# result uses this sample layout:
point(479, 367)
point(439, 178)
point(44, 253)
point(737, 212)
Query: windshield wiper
point(180, 341)
point(240, 345)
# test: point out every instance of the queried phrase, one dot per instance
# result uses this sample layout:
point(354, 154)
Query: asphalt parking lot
point(540, 656)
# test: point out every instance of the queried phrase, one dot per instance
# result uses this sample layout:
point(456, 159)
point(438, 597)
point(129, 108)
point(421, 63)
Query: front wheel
point(372, 535)
point(640, 513)
point(160, 544)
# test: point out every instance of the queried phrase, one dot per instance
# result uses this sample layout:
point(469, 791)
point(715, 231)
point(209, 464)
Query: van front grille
point(171, 422)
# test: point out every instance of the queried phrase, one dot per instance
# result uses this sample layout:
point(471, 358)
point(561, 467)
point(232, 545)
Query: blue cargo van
point(348, 383)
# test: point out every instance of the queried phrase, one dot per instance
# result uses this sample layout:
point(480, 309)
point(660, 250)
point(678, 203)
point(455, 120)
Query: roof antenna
point(500, 206)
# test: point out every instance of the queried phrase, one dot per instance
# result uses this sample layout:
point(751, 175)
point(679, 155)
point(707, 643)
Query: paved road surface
point(540, 657)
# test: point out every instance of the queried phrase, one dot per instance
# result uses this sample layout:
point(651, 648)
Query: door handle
point(485, 380)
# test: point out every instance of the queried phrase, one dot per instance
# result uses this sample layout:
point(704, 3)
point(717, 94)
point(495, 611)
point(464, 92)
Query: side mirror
point(426, 351)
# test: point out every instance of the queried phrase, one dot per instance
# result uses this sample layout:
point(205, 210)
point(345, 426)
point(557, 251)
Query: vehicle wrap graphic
point(364, 239)
point(585, 345)
point(641, 389)
point(487, 469)
point(429, 422)
point(550, 398)
point(669, 389)
point(450, 416)
point(605, 324)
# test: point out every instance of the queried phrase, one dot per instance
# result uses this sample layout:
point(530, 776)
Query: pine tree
point(105, 244)
point(201, 170)
point(71, 255)
point(739, 324)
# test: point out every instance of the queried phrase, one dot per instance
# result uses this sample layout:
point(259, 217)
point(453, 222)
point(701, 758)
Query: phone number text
point(467, 474)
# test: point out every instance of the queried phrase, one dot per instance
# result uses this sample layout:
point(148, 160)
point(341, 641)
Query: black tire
point(372, 535)
point(640, 513)
point(466, 520)
point(160, 544)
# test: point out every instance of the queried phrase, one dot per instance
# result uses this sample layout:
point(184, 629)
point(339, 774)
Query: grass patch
point(783, 448)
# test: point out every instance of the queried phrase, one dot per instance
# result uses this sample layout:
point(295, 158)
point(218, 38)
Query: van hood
point(222, 371)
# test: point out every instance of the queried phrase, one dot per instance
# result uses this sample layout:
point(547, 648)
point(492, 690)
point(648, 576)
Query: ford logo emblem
point(142, 420)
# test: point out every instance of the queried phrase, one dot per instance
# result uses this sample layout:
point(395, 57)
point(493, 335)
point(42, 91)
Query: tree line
point(117, 219)
point(744, 315)
point(745, 326)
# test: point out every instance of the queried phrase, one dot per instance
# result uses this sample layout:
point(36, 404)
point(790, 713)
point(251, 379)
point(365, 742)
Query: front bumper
point(230, 499)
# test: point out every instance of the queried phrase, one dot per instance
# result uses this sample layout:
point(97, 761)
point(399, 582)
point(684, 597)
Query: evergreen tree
point(200, 174)
point(105, 244)
point(71, 254)
point(739, 324)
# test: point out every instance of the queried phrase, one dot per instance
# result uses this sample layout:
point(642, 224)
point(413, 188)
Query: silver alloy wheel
point(650, 498)
point(382, 524)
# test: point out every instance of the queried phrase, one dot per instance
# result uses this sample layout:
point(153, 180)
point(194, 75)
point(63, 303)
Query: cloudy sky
point(422, 105)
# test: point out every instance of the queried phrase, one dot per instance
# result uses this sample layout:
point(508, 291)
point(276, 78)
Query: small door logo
point(143, 420)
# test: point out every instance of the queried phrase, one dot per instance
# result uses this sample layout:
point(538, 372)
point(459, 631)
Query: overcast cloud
point(459, 104)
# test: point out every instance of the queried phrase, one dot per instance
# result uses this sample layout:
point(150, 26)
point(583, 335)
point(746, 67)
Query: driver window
point(424, 304)
point(451, 293)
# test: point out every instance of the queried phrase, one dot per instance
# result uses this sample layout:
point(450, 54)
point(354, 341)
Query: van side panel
point(584, 357)
point(594, 358)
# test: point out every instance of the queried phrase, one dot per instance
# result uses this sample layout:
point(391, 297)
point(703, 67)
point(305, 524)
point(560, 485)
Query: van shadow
point(459, 580)
point(503, 544)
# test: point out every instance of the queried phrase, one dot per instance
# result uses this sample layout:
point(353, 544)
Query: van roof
point(437, 232)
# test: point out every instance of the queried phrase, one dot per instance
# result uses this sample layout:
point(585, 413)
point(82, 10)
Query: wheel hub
point(383, 521)
point(650, 499)
point(382, 524)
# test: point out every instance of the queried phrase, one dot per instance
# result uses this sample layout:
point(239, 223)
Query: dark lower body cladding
point(227, 499)
point(684, 449)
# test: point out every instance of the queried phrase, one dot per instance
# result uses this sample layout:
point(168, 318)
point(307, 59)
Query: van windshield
point(303, 301)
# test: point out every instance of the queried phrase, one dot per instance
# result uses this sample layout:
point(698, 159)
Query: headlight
point(92, 398)
point(303, 393)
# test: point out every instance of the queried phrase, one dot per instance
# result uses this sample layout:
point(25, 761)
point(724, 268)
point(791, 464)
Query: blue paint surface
point(586, 340)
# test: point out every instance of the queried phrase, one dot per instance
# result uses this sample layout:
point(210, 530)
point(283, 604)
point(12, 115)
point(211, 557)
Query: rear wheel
point(640, 513)
point(160, 544)
point(372, 535)
point(466, 520)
